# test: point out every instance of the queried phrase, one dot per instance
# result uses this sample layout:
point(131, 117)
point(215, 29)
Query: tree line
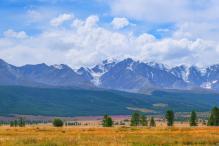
point(138, 119)
point(20, 122)
point(141, 120)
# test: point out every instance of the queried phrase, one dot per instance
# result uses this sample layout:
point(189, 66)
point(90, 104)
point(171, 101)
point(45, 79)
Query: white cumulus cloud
point(87, 43)
point(192, 18)
point(61, 19)
point(13, 34)
point(119, 23)
point(91, 21)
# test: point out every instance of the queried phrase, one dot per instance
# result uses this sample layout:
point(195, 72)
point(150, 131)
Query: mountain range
point(126, 75)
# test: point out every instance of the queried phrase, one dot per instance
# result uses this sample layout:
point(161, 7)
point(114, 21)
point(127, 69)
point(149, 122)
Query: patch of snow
point(152, 75)
point(203, 71)
point(58, 66)
point(181, 72)
point(103, 69)
point(109, 60)
point(158, 65)
point(130, 67)
point(79, 73)
point(215, 81)
point(96, 78)
point(185, 73)
point(207, 85)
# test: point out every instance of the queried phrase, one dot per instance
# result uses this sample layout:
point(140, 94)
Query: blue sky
point(17, 11)
point(84, 32)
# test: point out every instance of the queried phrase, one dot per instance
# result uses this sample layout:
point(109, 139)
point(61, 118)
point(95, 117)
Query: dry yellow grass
point(117, 136)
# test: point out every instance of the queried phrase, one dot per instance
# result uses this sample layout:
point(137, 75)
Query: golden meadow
point(47, 135)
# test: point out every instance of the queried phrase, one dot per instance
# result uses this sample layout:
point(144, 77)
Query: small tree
point(210, 120)
point(135, 120)
point(12, 124)
point(107, 121)
point(143, 120)
point(21, 122)
point(214, 117)
point(193, 119)
point(104, 122)
point(15, 123)
point(152, 122)
point(170, 117)
point(57, 122)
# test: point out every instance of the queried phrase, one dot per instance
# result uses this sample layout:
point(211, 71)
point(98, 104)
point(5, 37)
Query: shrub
point(107, 121)
point(57, 122)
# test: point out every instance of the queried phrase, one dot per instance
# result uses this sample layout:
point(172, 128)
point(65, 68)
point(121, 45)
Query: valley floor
point(46, 135)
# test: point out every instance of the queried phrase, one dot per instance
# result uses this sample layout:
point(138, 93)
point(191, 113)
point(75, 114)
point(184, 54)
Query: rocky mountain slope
point(128, 75)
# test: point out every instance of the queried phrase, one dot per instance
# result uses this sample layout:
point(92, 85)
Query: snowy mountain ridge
point(127, 74)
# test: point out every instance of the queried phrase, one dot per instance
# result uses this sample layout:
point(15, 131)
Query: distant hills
point(126, 75)
point(92, 102)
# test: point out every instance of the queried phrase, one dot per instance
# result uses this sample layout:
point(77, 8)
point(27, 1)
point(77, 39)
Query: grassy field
point(117, 136)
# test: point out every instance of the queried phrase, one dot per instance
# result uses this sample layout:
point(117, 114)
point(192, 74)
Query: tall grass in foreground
point(117, 136)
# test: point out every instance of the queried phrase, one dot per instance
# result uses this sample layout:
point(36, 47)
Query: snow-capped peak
point(181, 71)
point(81, 70)
point(109, 61)
point(158, 65)
point(58, 66)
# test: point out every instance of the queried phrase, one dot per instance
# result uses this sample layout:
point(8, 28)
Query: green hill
point(84, 102)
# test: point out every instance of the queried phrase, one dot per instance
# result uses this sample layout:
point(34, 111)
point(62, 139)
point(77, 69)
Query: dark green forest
point(92, 102)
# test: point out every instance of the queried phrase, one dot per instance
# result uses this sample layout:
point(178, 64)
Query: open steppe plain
point(46, 135)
